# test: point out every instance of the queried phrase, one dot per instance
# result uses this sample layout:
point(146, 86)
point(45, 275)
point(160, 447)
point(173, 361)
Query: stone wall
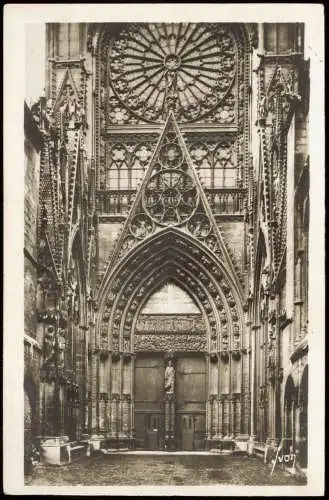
point(234, 235)
point(32, 350)
point(31, 196)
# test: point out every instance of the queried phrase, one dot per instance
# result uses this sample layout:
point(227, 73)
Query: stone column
point(120, 402)
point(109, 392)
point(125, 414)
point(211, 416)
point(170, 434)
point(214, 427)
point(93, 380)
point(101, 413)
point(106, 419)
point(238, 426)
point(220, 416)
point(226, 415)
point(114, 415)
point(253, 382)
point(132, 402)
point(298, 302)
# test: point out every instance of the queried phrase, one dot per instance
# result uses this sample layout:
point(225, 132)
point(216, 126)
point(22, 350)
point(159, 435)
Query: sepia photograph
point(169, 275)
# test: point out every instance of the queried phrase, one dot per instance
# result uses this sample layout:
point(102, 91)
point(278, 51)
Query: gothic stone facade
point(170, 154)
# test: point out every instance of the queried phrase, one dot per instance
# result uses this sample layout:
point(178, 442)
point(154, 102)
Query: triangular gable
point(62, 93)
point(171, 195)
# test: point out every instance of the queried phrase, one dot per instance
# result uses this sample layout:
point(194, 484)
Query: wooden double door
point(190, 402)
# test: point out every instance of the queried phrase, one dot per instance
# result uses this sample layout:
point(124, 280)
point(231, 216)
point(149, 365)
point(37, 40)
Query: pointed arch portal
point(171, 235)
point(209, 350)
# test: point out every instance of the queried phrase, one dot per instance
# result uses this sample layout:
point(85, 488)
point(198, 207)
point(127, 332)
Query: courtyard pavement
point(162, 469)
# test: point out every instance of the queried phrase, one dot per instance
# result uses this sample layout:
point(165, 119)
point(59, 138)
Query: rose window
point(170, 197)
point(190, 65)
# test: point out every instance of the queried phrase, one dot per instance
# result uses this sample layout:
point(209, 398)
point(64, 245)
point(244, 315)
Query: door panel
point(191, 402)
point(149, 377)
point(199, 431)
point(187, 432)
point(149, 392)
point(191, 380)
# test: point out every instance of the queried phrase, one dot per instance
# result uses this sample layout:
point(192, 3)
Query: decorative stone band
point(165, 342)
point(171, 325)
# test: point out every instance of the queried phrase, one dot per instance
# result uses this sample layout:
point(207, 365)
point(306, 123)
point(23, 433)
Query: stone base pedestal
point(169, 443)
point(213, 443)
point(54, 450)
point(250, 445)
point(116, 443)
point(241, 443)
point(95, 443)
point(228, 445)
point(58, 450)
point(111, 443)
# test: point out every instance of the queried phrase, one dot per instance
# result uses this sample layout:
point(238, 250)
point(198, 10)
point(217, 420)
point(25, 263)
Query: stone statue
point(169, 378)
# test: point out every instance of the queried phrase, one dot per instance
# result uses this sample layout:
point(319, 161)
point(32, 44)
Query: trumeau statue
point(169, 378)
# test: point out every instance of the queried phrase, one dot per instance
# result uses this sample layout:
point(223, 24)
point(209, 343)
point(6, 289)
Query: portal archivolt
point(170, 255)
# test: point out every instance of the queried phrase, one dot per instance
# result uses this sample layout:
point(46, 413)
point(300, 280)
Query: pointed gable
point(171, 195)
point(67, 90)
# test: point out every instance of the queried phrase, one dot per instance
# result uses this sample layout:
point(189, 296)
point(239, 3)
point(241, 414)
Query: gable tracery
point(171, 195)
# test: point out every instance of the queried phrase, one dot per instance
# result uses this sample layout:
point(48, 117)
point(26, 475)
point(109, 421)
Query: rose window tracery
point(189, 67)
point(170, 197)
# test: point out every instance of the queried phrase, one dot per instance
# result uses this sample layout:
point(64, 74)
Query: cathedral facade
point(166, 240)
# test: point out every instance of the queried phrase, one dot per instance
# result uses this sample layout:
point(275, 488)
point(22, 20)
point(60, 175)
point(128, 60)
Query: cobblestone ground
point(124, 470)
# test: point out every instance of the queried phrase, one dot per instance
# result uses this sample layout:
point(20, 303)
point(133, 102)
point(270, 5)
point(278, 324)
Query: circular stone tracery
point(170, 197)
point(194, 64)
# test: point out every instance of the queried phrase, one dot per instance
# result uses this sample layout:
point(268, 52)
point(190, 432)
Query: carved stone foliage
point(151, 68)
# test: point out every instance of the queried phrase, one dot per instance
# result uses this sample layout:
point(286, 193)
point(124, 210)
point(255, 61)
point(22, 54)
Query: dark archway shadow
point(303, 419)
point(29, 421)
point(290, 401)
